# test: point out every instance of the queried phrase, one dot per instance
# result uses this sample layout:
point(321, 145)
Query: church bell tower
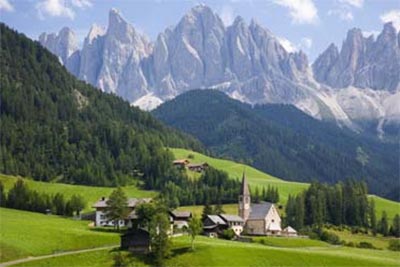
point(244, 199)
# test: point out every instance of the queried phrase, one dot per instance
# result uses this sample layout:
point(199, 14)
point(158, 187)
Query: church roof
point(244, 190)
point(260, 210)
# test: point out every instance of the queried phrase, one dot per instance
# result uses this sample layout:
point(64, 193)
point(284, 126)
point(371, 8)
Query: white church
point(261, 218)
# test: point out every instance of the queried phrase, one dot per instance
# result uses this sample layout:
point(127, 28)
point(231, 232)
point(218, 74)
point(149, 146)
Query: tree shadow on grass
point(180, 251)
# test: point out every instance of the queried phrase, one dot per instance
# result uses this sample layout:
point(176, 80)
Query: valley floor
point(213, 252)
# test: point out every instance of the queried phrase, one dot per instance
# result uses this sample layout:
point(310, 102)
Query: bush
point(350, 244)
point(394, 245)
point(366, 245)
point(228, 234)
point(330, 238)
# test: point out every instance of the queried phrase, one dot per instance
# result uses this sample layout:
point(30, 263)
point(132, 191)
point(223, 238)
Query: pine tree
point(372, 217)
point(384, 224)
point(300, 212)
point(396, 226)
point(77, 204)
point(256, 195)
point(3, 196)
point(117, 206)
point(218, 209)
point(207, 210)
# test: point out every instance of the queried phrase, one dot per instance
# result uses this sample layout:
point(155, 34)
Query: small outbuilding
point(198, 167)
point(137, 240)
point(289, 231)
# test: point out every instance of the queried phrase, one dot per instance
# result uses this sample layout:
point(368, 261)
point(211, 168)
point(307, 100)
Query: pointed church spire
point(244, 190)
point(244, 199)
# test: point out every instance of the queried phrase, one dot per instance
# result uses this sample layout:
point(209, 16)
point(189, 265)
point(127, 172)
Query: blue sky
point(310, 25)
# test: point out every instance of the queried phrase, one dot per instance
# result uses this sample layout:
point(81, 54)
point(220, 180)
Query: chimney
point(103, 198)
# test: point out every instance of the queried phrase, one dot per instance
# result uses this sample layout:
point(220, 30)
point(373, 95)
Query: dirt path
point(10, 263)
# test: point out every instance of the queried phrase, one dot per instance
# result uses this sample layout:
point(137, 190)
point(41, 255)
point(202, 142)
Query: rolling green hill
point(283, 141)
point(259, 178)
point(24, 234)
point(235, 170)
point(90, 193)
point(213, 252)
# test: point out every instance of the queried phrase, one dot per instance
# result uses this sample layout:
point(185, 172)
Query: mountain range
point(357, 86)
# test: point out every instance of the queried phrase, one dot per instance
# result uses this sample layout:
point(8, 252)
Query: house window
point(272, 220)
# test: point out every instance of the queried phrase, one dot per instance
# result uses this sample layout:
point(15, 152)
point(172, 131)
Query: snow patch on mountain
point(147, 102)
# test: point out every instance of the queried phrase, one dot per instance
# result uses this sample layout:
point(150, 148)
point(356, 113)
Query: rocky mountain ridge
point(246, 61)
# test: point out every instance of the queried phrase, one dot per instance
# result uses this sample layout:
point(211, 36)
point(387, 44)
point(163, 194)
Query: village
point(252, 219)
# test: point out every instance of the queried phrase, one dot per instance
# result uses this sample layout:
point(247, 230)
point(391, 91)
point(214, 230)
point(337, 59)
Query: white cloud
point(367, 34)
point(342, 13)
point(81, 3)
point(393, 16)
point(60, 8)
point(306, 43)
point(301, 11)
point(6, 6)
point(355, 3)
point(227, 15)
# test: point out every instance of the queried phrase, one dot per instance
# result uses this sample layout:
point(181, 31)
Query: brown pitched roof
point(181, 161)
point(181, 214)
point(131, 203)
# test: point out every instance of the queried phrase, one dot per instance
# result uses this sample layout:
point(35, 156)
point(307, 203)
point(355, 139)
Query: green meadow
point(377, 241)
point(24, 234)
point(213, 252)
point(235, 171)
point(261, 179)
point(91, 194)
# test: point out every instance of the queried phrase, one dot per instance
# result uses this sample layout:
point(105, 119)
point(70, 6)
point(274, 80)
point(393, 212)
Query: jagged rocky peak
point(120, 29)
point(362, 62)
point(63, 44)
point(94, 32)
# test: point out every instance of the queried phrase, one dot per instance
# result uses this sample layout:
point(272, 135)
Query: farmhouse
point(198, 167)
point(234, 222)
point(181, 163)
point(180, 219)
point(259, 219)
point(101, 212)
point(214, 225)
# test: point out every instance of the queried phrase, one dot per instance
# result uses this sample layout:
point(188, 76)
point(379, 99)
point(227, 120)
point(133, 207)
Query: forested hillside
point(56, 127)
point(282, 141)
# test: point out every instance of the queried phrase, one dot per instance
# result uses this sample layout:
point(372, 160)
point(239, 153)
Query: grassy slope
point(381, 204)
point(213, 252)
point(90, 193)
point(377, 241)
point(254, 176)
point(258, 178)
point(25, 234)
